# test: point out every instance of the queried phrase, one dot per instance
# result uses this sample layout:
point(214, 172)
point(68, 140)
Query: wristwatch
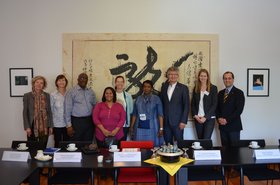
point(160, 128)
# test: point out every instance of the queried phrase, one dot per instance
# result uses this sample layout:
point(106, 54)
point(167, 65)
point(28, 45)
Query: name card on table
point(67, 157)
point(15, 156)
point(267, 154)
point(207, 155)
point(127, 156)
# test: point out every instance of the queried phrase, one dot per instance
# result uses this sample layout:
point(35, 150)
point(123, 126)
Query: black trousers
point(60, 134)
point(83, 128)
point(172, 132)
point(204, 130)
point(229, 138)
point(43, 140)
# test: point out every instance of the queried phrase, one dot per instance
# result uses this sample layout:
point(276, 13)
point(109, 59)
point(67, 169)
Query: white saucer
point(22, 149)
point(43, 158)
point(254, 146)
point(110, 150)
point(71, 149)
point(197, 148)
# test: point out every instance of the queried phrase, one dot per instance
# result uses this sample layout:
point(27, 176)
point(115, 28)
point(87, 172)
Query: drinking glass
point(154, 155)
point(185, 155)
point(154, 150)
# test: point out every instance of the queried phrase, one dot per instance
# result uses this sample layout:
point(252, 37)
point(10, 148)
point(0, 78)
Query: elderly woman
point(109, 117)
point(37, 114)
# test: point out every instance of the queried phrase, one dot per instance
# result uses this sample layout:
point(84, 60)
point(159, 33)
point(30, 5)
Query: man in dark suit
point(231, 102)
point(175, 99)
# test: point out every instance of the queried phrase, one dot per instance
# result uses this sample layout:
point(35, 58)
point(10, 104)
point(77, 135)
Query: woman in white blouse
point(57, 106)
point(203, 105)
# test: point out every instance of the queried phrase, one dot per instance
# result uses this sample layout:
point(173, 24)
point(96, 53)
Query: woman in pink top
point(109, 117)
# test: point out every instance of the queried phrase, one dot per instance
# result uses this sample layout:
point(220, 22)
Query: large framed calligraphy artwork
point(138, 57)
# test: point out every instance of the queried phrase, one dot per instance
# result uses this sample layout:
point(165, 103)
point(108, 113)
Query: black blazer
point(209, 102)
point(177, 109)
point(231, 110)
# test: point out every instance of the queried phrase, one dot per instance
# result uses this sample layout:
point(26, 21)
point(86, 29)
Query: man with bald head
point(78, 105)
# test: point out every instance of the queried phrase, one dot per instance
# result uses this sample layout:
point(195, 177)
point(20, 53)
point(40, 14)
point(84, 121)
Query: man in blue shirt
point(79, 103)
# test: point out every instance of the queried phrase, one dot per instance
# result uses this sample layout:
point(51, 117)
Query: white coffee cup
point(71, 146)
point(254, 144)
point(22, 145)
point(100, 158)
point(114, 147)
point(196, 144)
point(40, 154)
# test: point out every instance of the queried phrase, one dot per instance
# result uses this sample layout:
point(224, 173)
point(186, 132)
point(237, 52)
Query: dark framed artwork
point(20, 81)
point(258, 82)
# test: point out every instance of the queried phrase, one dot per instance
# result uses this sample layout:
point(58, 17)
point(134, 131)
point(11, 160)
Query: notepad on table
point(51, 150)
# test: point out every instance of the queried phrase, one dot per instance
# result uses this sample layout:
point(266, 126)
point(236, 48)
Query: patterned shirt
point(57, 106)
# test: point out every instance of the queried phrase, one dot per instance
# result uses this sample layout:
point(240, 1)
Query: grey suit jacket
point(177, 109)
point(28, 110)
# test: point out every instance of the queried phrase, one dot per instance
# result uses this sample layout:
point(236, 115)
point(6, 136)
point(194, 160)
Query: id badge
point(142, 117)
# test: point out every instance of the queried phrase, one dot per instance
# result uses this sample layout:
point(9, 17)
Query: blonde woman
point(37, 114)
point(204, 103)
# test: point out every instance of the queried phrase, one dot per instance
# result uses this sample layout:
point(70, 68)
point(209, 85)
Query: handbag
point(144, 124)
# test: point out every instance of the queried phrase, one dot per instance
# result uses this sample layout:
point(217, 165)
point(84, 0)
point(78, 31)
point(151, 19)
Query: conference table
point(16, 172)
point(237, 157)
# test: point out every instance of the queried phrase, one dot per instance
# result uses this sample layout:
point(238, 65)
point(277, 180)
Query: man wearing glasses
point(175, 99)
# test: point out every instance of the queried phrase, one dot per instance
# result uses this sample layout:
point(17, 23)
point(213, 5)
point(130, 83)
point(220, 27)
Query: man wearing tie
point(175, 99)
point(231, 102)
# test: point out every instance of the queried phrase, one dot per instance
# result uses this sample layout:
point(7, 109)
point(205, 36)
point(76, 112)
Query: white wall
point(31, 36)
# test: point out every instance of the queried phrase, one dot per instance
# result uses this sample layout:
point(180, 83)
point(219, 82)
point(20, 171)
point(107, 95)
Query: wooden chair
point(196, 173)
point(134, 175)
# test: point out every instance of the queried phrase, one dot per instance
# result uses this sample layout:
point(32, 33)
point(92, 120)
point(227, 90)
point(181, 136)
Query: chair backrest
point(32, 145)
point(205, 143)
point(137, 144)
point(246, 142)
point(79, 144)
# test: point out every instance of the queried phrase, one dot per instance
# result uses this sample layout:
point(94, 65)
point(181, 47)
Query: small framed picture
point(20, 81)
point(257, 82)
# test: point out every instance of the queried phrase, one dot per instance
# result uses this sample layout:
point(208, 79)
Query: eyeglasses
point(172, 74)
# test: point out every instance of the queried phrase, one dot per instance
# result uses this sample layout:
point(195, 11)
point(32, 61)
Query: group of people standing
point(75, 114)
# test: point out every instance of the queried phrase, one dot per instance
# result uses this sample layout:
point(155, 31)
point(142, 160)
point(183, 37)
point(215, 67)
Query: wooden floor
point(232, 181)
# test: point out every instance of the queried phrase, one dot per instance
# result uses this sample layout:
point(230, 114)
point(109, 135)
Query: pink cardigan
point(110, 118)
